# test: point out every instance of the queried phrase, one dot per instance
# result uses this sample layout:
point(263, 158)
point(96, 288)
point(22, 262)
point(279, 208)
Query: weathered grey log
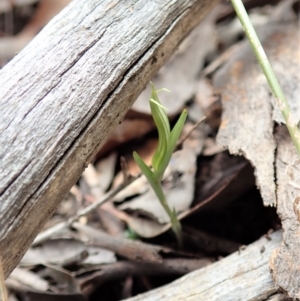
point(242, 276)
point(62, 95)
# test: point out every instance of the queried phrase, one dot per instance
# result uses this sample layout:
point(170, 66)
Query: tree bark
point(64, 93)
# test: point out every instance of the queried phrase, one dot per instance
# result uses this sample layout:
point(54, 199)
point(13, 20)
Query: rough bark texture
point(242, 276)
point(63, 94)
point(285, 261)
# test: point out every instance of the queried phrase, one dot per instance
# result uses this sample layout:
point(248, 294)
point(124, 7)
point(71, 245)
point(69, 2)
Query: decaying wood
point(246, 99)
point(242, 276)
point(285, 261)
point(62, 95)
point(247, 127)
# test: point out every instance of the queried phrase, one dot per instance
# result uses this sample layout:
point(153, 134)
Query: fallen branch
point(244, 275)
point(64, 93)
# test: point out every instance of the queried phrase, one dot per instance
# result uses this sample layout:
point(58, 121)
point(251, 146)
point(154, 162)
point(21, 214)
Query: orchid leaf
point(176, 132)
point(163, 127)
point(174, 136)
point(152, 181)
point(144, 168)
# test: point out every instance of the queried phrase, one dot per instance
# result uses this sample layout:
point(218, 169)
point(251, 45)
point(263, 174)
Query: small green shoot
point(167, 140)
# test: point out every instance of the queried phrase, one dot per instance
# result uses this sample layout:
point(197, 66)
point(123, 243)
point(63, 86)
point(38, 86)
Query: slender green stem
point(268, 71)
point(176, 226)
point(177, 229)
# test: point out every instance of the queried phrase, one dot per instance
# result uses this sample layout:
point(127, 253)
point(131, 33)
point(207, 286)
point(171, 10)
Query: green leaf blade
point(153, 182)
point(143, 167)
point(163, 127)
point(174, 136)
point(176, 131)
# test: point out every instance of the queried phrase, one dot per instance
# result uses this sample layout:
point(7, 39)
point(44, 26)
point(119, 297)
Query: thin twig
point(268, 71)
point(126, 248)
point(63, 225)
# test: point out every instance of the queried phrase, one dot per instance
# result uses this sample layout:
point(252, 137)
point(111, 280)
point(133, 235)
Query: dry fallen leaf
point(100, 177)
point(129, 129)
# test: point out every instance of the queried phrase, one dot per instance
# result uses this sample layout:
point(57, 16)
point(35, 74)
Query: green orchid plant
point(167, 140)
